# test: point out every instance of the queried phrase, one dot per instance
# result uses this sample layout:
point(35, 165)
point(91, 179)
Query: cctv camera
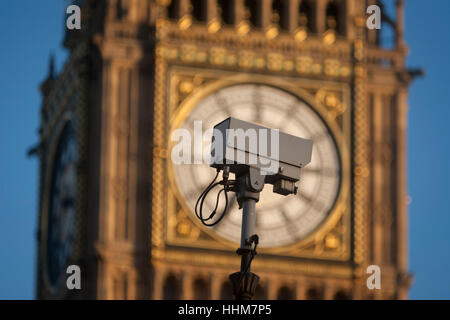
point(240, 145)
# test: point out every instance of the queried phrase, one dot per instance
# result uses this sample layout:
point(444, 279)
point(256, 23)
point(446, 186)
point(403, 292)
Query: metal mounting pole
point(249, 187)
point(248, 228)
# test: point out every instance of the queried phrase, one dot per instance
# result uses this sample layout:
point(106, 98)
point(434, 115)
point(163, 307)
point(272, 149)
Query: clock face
point(280, 220)
point(62, 210)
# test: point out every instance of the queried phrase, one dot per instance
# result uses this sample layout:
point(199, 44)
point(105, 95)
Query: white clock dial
point(280, 220)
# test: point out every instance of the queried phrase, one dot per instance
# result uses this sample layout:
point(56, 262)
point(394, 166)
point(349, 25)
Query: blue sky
point(31, 30)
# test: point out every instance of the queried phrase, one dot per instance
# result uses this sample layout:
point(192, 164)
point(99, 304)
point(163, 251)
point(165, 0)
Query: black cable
point(227, 186)
point(252, 252)
point(217, 204)
point(211, 215)
point(253, 239)
point(202, 194)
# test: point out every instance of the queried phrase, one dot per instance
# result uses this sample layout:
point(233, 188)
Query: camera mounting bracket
point(249, 186)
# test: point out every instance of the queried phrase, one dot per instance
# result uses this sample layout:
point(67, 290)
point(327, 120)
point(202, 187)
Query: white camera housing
point(278, 156)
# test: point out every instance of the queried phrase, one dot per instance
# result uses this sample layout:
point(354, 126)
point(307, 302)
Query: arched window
point(305, 15)
point(251, 12)
point(260, 293)
point(172, 288)
point(201, 289)
point(226, 292)
point(313, 294)
point(279, 13)
point(332, 12)
point(226, 12)
point(120, 287)
point(341, 295)
point(198, 10)
point(173, 9)
point(285, 293)
point(121, 12)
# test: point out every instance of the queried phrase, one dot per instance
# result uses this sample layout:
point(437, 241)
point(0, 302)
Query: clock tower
point(113, 202)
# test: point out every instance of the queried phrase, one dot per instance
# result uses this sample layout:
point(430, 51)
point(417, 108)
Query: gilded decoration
point(187, 86)
point(330, 92)
point(361, 165)
point(246, 59)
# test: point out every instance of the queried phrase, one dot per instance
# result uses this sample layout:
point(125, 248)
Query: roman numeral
point(319, 136)
point(221, 102)
point(256, 98)
point(290, 226)
point(326, 172)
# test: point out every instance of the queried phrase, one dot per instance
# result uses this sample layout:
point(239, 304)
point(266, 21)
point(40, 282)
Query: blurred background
point(31, 31)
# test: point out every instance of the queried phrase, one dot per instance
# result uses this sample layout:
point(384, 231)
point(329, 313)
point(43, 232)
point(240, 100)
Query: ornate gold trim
point(316, 239)
point(228, 262)
point(361, 165)
point(221, 56)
